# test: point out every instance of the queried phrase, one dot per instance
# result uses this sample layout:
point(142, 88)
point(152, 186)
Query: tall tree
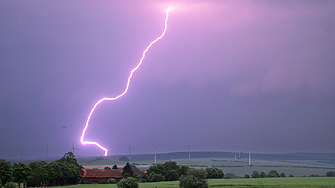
point(127, 170)
point(21, 173)
point(5, 171)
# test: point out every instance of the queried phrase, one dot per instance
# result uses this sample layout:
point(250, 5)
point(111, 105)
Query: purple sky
point(259, 73)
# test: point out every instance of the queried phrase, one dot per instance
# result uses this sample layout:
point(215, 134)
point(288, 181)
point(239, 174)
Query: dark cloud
point(258, 73)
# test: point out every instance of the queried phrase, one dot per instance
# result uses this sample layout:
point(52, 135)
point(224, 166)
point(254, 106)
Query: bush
point(330, 174)
point(282, 175)
point(128, 183)
point(231, 176)
point(214, 173)
point(172, 175)
point(102, 182)
point(156, 177)
point(190, 181)
point(262, 175)
point(290, 175)
point(255, 174)
point(246, 176)
point(273, 174)
point(198, 173)
point(107, 167)
point(111, 181)
point(10, 185)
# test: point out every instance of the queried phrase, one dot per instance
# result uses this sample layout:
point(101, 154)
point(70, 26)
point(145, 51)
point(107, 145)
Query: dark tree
point(127, 170)
point(214, 173)
point(282, 175)
point(184, 169)
point(172, 175)
point(156, 177)
point(255, 174)
point(330, 174)
point(198, 173)
point(107, 167)
point(115, 167)
point(195, 178)
point(262, 175)
point(158, 169)
point(21, 173)
point(5, 171)
point(246, 176)
point(273, 174)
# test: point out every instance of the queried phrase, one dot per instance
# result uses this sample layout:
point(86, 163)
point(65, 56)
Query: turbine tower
point(250, 156)
point(47, 148)
point(189, 151)
point(155, 150)
point(129, 151)
point(73, 148)
point(20, 152)
point(235, 149)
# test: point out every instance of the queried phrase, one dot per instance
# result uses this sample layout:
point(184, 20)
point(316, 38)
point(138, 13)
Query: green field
point(253, 182)
point(228, 165)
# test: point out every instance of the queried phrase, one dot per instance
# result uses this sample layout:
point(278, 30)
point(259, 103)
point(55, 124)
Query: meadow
point(250, 182)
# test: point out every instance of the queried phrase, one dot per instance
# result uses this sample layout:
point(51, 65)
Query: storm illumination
point(125, 91)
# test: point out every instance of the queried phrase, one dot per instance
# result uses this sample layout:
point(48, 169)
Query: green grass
point(325, 182)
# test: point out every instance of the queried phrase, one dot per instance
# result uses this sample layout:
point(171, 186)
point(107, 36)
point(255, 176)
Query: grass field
point(239, 168)
point(257, 182)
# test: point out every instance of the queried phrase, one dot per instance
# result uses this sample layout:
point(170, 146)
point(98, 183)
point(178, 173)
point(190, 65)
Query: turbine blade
point(152, 144)
point(158, 145)
point(46, 142)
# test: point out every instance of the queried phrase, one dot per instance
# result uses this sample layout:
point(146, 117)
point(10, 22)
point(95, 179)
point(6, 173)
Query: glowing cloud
point(125, 91)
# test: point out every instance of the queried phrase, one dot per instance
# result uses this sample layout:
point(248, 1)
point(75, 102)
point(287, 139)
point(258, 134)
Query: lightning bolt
point(125, 91)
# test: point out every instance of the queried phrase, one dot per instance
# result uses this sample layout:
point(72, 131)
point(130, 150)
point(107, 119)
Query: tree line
point(64, 171)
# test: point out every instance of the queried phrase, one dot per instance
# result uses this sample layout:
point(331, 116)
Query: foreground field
point(257, 182)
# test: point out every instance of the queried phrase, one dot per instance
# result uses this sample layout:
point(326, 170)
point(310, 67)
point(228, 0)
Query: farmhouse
point(94, 176)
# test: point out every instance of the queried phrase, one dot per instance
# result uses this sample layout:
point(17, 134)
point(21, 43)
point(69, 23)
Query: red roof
point(100, 173)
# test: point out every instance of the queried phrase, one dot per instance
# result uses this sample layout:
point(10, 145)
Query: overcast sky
point(259, 73)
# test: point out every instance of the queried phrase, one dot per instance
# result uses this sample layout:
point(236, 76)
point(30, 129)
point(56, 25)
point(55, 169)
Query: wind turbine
point(129, 151)
point(189, 151)
point(73, 148)
point(47, 148)
point(250, 156)
point(20, 152)
point(235, 149)
point(155, 150)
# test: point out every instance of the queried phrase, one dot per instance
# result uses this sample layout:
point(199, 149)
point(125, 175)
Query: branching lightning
point(125, 91)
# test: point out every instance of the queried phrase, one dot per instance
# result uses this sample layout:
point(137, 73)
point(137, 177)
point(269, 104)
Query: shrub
point(282, 175)
point(330, 174)
point(273, 174)
point(255, 174)
point(128, 183)
point(111, 181)
point(290, 175)
point(231, 176)
point(198, 173)
point(10, 185)
point(172, 175)
point(156, 177)
point(214, 173)
point(246, 176)
point(102, 182)
point(262, 175)
point(190, 181)
point(107, 167)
